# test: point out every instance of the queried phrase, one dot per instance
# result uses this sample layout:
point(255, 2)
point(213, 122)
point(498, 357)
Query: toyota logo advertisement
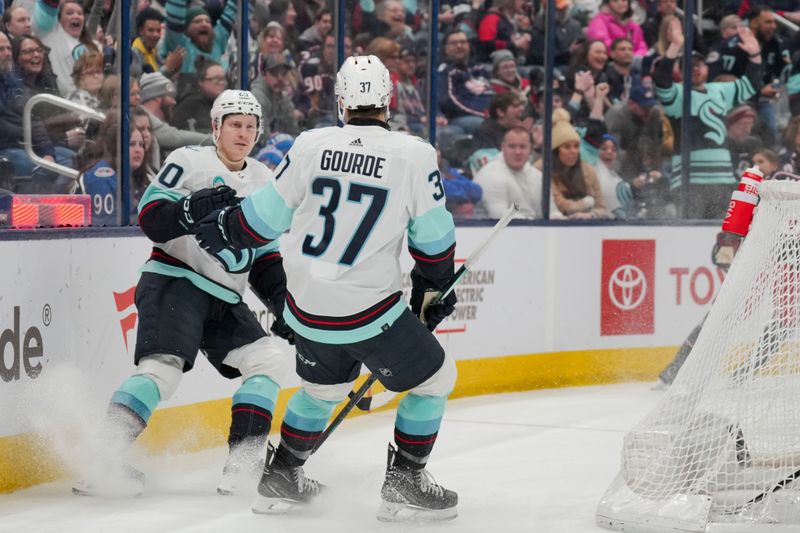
point(628, 286)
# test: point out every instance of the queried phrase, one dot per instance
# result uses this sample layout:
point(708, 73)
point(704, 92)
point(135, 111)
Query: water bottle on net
point(743, 202)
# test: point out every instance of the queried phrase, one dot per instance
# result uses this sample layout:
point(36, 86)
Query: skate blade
point(404, 512)
point(267, 505)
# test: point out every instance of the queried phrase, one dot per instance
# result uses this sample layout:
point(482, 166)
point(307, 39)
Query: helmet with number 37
point(234, 102)
point(362, 83)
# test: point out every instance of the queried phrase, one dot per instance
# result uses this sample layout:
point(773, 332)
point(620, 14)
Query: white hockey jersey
point(349, 196)
point(187, 170)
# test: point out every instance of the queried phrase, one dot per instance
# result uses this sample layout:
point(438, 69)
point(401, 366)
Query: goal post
point(721, 451)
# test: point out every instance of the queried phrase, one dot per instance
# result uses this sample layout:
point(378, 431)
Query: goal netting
point(721, 451)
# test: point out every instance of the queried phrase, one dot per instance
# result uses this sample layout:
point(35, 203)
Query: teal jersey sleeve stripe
point(433, 232)
point(671, 100)
point(151, 194)
point(270, 248)
point(793, 84)
point(266, 212)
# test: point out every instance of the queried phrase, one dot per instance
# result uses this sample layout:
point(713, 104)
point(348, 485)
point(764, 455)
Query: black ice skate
point(114, 481)
point(245, 463)
point(413, 495)
point(283, 487)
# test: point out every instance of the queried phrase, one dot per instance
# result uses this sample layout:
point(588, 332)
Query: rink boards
point(544, 307)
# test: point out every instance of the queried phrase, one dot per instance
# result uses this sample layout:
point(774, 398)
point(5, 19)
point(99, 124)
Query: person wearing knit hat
point(576, 189)
point(190, 28)
point(563, 132)
point(505, 76)
point(154, 84)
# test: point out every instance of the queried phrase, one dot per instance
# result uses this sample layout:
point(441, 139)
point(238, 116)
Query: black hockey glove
point(199, 204)
point(422, 294)
point(211, 232)
point(280, 328)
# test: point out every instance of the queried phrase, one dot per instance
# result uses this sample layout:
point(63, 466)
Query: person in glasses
point(193, 112)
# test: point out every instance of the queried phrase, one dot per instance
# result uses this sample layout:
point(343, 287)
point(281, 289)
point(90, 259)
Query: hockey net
point(721, 451)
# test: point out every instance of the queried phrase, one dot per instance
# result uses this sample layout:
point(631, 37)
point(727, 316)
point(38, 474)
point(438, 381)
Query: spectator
point(790, 153)
point(312, 39)
point(568, 32)
point(774, 58)
point(87, 75)
point(505, 112)
point(651, 26)
point(727, 61)
point(144, 49)
point(408, 110)
point(637, 126)
point(655, 54)
point(591, 57)
point(613, 21)
point(620, 72)
point(60, 26)
point(158, 99)
point(315, 98)
point(13, 96)
point(190, 28)
point(385, 49)
point(100, 180)
point(617, 192)
point(389, 20)
point(710, 173)
point(284, 13)
point(277, 109)
point(766, 160)
point(109, 93)
point(461, 193)
point(497, 31)
point(505, 76)
point(152, 153)
point(193, 113)
point(741, 142)
point(273, 40)
point(16, 21)
point(464, 88)
point(511, 179)
point(576, 190)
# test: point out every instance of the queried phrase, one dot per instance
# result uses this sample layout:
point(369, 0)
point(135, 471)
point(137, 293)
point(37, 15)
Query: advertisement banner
point(627, 287)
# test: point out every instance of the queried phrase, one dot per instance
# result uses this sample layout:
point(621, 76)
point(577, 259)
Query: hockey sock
point(416, 427)
point(303, 423)
point(251, 412)
point(130, 408)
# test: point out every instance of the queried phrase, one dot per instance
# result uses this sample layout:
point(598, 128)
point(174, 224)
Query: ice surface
point(523, 462)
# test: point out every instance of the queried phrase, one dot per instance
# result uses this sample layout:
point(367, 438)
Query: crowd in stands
point(617, 93)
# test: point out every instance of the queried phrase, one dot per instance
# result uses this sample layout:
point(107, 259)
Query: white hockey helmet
point(362, 83)
point(234, 102)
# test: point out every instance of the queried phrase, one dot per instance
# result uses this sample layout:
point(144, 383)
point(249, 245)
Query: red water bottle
point(743, 201)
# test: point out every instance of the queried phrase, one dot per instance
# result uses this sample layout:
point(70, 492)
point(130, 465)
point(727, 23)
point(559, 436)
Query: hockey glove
point(724, 249)
point(199, 204)
point(211, 232)
point(422, 295)
point(280, 328)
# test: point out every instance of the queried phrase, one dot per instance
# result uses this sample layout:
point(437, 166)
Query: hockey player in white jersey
point(348, 196)
point(189, 302)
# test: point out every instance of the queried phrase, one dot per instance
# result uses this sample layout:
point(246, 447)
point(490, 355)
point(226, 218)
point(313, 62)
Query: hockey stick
point(356, 397)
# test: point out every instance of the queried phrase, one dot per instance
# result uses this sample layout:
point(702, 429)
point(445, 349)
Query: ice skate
point(245, 462)
point(283, 487)
point(413, 495)
point(113, 481)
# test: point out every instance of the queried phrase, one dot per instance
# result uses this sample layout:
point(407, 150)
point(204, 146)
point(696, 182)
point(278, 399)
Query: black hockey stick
point(356, 397)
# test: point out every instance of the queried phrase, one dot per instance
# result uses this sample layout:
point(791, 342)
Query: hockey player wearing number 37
point(189, 302)
point(348, 196)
